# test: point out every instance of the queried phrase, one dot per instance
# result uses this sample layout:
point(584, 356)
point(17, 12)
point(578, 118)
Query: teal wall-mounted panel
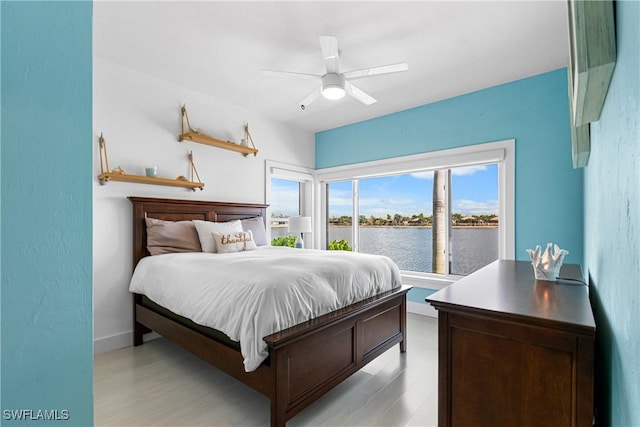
point(533, 111)
point(612, 230)
point(0, 207)
point(46, 213)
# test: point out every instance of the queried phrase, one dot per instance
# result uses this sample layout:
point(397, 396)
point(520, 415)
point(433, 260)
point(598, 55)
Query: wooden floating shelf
point(207, 140)
point(113, 176)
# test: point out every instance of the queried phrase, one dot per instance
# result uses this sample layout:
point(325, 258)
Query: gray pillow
point(256, 226)
point(166, 237)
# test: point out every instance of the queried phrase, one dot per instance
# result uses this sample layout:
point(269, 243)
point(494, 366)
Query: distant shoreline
point(401, 226)
point(413, 226)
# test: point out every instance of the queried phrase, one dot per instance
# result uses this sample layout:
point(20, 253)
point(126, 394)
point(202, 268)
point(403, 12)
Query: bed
point(304, 361)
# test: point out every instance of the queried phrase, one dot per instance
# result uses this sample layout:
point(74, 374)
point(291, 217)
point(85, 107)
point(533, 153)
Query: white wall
point(140, 118)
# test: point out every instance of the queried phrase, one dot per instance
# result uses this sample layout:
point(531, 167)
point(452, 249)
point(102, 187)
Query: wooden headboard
point(183, 210)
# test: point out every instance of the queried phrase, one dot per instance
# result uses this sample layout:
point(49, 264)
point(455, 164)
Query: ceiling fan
point(334, 84)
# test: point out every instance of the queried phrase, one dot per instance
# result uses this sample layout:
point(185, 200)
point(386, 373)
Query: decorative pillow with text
point(234, 242)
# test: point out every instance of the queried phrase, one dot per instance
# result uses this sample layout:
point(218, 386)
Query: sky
point(474, 192)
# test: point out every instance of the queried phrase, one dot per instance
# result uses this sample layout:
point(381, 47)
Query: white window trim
point(306, 176)
point(500, 152)
point(447, 231)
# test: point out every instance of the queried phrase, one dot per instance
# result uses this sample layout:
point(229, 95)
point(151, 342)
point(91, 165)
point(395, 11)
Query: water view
point(410, 247)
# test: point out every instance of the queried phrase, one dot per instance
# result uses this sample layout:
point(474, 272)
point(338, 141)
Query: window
point(285, 202)
point(396, 218)
point(340, 214)
point(289, 192)
point(396, 212)
point(394, 203)
point(475, 220)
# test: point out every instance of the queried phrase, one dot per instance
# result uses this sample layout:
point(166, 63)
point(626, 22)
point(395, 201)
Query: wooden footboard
point(309, 360)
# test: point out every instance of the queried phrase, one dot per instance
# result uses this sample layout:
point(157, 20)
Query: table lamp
point(299, 225)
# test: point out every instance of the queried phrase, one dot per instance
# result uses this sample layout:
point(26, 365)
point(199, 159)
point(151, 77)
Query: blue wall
point(46, 210)
point(612, 230)
point(534, 111)
point(419, 294)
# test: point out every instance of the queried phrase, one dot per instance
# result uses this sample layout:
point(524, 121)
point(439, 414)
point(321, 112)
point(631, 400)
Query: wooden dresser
point(514, 351)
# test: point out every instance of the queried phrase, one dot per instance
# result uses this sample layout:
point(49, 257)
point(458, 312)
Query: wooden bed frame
point(305, 361)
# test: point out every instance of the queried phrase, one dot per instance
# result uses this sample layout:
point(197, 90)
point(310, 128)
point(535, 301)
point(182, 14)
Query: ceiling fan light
point(333, 92)
point(333, 86)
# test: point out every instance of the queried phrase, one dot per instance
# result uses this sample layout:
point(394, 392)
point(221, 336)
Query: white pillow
point(234, 242)
point(205, 228)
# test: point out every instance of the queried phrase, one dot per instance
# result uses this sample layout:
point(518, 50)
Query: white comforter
point(249, 295)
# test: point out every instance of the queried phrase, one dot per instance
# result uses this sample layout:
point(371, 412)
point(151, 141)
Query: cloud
point(377, 206)
point(285, 199)
point(474, 207)
point(386, 202)
point(340, 201)
point(380, 207)
point(468, 170)
point(423, 175)
point(340, 198)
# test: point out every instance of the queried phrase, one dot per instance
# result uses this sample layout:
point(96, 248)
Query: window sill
point(428, 280)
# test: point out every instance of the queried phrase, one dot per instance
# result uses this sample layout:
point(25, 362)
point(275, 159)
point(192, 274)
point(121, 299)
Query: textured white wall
point(140, 118)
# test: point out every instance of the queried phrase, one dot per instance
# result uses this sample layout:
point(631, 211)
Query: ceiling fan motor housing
point(333, 86)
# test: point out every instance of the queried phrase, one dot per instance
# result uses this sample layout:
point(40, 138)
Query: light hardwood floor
point(159, 384)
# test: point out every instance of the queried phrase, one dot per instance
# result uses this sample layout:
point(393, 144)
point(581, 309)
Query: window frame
point(501, 153)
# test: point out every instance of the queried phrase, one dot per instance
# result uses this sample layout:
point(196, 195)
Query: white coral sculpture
point(547, 266)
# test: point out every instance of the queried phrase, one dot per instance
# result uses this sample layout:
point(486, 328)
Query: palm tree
point(438, 226)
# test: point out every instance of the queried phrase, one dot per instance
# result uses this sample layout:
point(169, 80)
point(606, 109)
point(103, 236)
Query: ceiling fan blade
point(359, 94)
point(330, 54)
point(275, 73)
point(376, 71)
point(311, 97)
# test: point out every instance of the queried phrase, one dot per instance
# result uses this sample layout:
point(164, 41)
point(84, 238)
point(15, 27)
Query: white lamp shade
point(300, 224)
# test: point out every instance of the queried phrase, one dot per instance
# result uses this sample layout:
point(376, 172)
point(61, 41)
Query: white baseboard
point(423, 309)
point(114, 342)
